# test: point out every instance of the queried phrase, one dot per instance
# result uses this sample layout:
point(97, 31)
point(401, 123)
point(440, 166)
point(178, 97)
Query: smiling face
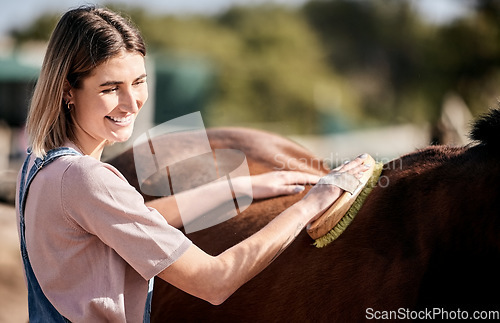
point(108, 101)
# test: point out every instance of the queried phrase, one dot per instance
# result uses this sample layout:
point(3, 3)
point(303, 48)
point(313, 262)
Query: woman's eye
point(139, 82)
point(113, 89)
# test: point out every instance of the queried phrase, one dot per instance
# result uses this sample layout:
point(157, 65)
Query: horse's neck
point(443, 204)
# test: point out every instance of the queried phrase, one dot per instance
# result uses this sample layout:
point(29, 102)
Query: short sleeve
point(97, 199)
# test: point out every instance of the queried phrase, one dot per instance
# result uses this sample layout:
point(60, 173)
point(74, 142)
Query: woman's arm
point(214, 279)
point(263, 186)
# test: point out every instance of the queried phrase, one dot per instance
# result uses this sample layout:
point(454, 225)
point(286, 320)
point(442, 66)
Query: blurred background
point(340, 77)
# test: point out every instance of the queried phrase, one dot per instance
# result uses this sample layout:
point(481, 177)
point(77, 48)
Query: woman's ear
point(67, 91)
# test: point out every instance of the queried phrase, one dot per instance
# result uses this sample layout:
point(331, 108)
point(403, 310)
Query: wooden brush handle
point(332, 215)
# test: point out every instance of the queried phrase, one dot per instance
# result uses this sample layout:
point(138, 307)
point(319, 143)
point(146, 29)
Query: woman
point(89, 243)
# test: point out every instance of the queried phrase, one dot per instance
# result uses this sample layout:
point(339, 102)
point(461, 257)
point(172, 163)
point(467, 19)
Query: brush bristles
point(340, 227)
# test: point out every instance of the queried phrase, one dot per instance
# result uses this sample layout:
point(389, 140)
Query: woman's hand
point(216, 278)
point(320, 197)
point(281, 183)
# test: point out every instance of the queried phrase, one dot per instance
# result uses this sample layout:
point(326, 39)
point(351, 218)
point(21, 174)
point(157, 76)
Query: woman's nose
point(131, 101)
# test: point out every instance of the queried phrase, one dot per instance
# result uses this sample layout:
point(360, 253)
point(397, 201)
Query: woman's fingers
point(355, 167)
point(294, 177)
point(287, 189)
point(281, 183)
point(348, 165)
point(292, 182)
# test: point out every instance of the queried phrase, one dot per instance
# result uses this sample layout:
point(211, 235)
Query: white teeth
point(124, 119)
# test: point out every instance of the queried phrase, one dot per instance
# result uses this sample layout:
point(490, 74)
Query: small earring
point(68, 106)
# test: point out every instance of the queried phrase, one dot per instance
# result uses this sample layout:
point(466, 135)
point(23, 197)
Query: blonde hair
point(83, 39)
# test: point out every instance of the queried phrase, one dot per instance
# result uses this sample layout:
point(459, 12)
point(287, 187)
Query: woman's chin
point(121, 137)
point(115, 140)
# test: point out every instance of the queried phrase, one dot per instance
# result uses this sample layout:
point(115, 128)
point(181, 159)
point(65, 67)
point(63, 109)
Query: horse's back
point(432, 221)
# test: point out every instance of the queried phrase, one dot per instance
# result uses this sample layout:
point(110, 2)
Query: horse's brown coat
point(428, 236)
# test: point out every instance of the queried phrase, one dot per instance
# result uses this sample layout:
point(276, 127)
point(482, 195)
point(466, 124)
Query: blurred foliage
point(270, 65)
point(328, 65)
point(39, 30)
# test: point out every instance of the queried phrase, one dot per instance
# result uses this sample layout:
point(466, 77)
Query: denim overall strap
point(149, 299)
point(39, 307)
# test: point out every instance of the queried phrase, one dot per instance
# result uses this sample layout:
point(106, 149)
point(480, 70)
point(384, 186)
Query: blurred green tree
point(381, 47)
point(329, 65)
point(470, 55)
point(270, 66)
point(403, 67)
point(39, 30)
point(271, 71)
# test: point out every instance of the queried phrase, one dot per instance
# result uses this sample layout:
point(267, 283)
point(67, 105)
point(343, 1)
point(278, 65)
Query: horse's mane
point(486, 129)
point(485, 147)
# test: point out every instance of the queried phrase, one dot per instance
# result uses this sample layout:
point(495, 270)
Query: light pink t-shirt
point(92, 242)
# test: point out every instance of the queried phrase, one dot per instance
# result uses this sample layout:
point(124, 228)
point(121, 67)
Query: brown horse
point(426, 243)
